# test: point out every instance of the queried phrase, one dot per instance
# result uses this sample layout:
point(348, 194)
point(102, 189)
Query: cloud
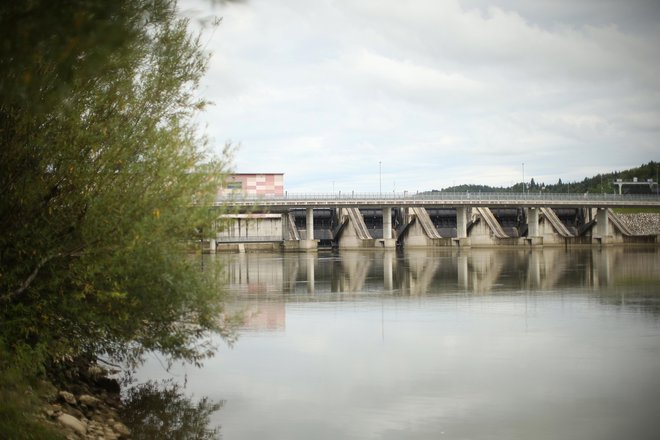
point(324, 91)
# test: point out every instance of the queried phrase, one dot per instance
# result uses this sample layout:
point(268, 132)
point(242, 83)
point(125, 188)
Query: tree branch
point(25, 284)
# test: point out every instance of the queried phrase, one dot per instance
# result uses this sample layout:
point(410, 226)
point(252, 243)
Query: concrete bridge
point(303, 221)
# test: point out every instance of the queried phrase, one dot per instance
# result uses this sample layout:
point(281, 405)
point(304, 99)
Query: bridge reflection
point(262, 283)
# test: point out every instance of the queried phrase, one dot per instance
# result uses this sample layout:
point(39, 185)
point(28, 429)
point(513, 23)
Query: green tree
point(104, 182)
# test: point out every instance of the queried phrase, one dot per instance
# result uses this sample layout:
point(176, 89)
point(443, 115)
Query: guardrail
point(443, 198)
point(253, 239)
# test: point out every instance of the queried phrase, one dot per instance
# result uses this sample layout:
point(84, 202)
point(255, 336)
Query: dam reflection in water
point(261, 283)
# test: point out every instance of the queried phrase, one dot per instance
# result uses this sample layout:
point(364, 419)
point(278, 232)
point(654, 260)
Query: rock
point(67, 397)
point(88, 400)
point(642, 223)
point(75, 412)
point(121, 429)
point(72, 423)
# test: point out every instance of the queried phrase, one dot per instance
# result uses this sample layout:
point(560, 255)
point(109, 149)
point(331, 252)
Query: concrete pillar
point(405, 214)
point(310, 223)
point(532, 222)
point(285, 226)
point(602, 222)
point(387, 223)
point(212, 246)
point(461, 221)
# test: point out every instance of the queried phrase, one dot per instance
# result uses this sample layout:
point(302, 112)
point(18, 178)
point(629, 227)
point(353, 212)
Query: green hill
point(601, 183)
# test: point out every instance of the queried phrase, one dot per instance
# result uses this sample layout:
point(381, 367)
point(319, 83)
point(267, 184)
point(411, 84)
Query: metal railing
point(252, 239)
point(407, 198)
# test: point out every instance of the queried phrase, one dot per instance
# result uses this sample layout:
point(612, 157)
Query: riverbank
point(87, 406)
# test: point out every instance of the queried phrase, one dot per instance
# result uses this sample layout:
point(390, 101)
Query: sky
point(384, 95)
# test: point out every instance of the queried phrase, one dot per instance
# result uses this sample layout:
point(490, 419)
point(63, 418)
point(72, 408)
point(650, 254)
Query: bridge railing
point(444, 196)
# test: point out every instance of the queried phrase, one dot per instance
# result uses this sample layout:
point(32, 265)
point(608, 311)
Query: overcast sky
point(419, 95)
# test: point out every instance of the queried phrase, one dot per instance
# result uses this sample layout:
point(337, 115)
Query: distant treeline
point(601, 183)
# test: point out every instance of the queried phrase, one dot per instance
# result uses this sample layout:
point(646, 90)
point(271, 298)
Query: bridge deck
point(288, 201)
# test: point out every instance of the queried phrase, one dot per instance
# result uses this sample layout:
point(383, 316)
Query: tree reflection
point(162, 411)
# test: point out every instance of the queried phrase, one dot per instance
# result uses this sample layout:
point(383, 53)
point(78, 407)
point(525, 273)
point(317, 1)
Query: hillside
point(601, 183)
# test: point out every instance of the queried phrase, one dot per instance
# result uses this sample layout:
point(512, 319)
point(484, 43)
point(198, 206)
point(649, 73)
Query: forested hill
point(601, 183)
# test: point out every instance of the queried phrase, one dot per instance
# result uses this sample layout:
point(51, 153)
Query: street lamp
point(523, 182)
point(380, 178)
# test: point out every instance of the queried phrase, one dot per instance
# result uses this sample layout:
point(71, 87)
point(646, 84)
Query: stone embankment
point(89, 409)
point(642, 223)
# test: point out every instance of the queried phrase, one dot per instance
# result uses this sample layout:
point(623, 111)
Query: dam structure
point(304, 222)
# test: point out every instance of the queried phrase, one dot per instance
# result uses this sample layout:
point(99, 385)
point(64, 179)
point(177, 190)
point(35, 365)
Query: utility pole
point(523, 182)
point(380, 178)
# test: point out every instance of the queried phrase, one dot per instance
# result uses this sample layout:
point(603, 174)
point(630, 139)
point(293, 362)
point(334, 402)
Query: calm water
point(483, 344)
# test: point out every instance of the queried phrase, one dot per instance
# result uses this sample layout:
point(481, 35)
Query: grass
point(21, 398)
point(637, 210)
point(19, 423)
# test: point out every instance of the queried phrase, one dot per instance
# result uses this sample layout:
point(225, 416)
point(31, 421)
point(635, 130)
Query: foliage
point(163, 411)
point(601, 183)
point(19, 393)
point(104, 181)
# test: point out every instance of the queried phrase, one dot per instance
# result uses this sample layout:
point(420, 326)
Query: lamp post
point(380, 178)
point(523, 182)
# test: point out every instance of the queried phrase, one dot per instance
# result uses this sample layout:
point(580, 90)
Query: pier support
point(309, 224)
point(532, 222)
point(212, 246)
point(309, 244)
point(602, 225)
point(461, 225)
point(387, 223)
point(533, 229)
point(388, 241)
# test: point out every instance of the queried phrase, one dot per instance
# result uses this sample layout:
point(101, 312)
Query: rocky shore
point(642, 223)
point(88, 408)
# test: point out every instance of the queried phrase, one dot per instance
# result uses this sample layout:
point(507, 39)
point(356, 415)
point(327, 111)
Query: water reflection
point(422, 272)
point(263, 283)
point(163, 411)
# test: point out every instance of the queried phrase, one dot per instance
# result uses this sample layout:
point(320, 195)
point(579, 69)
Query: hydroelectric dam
point(305, 222)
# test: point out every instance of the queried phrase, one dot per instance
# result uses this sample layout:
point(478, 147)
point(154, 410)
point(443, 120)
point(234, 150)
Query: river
point(476, 344)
